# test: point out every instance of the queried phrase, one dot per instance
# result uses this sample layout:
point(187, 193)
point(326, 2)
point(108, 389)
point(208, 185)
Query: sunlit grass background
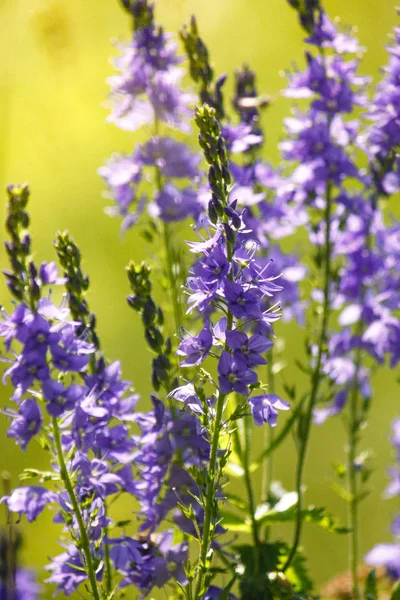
point(54, 62)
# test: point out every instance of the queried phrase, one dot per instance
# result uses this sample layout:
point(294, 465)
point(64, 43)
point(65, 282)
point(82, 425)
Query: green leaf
point(253, 583)
point(342, 492)
point(236, 501)
point(113, 593)
point(234, 469)
point(298, 575)
point(226, 592)
point(283, 510)
point(324, 520)
point(235, 522)
point(277, 367)
point(371, 589)
point(278, 439)
point(123, 523)
point(44, 475)
point(281, 514)
point(396, 592)
point(340, 470)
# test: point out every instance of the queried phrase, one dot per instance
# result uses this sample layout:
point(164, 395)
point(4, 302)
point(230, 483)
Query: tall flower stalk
point(228, 280)
point(334, 87)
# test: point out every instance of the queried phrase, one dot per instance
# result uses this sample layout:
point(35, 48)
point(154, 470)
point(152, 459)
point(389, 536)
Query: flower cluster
point(388, 555)
point(383, 139)
point(228, 277)
point(148, 91)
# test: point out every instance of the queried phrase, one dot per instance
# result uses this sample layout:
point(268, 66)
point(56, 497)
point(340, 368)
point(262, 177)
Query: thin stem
point(211, 485)
point(356, 418)
point(169, 253)
point(352, 486)
point(250, 491)
point(11, 545)
point(174, 289)
point(76, 508)
point(268, 461)
point(242, 447)
point(108, 584)
point(316, 379)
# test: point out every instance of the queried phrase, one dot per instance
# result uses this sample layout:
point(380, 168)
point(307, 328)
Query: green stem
point(11, 546)
point(306, 422)
point(211, 483)
point(169, 253)
point(210, 497)
point(84, 540)
point(250, 492)
point(352, 486)
point(174, 290)
point(356, 418)
point(107, 560)
point(268, 461)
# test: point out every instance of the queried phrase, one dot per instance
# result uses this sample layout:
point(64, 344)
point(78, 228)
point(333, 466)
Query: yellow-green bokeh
point(54, 62)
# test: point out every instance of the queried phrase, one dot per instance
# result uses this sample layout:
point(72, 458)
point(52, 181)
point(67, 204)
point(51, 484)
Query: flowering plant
point(211, 310)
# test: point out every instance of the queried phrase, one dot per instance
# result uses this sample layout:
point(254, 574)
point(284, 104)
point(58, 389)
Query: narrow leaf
point(396, 592)
point(234, 522)
point(371, 589)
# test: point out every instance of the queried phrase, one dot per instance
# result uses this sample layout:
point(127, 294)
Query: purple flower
point(242, 302)
point(195, 348)
point(213, 266)
point(48, 274)
point(334, 408)
point(30, 501)
point(27, 424)
point(385, 555)
point(248, 350)
point(64, 360)
point(67, 571)
point(393, 488)
point(215, 593)
point(174, 204)
point(240, 138)
point(122, 175)
point(233, 375)
point(383, 137)
point(26, 587)
point(59, 398)
point(171, 562)
point(148, 86)
point(174, 159)
point(10, 326)
point(265, 408)
point(135, 560)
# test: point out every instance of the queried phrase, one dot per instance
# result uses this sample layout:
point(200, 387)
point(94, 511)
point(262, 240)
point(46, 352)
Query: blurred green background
point(54, 62)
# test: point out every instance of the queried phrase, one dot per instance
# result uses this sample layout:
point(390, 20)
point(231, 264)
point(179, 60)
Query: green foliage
point(396, 592)
point(312, 514)
point(265, 581)
point(371, 587)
